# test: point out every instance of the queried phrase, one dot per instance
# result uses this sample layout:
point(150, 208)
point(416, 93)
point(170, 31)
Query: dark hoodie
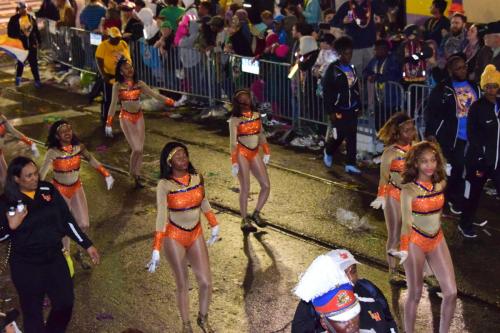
point(441, 115)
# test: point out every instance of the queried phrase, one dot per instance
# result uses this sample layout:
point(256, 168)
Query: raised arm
point(93, 161)
point(146, 90)
point(50, 155)
point(15, 133)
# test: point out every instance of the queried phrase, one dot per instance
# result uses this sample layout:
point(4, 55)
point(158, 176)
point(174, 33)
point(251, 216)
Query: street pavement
point(253, 276)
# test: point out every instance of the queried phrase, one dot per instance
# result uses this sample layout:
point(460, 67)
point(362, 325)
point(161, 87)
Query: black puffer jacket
point(483, 127)
point(441, 115)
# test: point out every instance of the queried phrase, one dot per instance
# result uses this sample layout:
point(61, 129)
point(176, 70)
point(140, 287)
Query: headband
point(405, 121)
point(61, 125)
point(242, 91)
point(172, 153)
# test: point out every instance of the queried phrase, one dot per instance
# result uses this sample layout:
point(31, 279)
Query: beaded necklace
point(358, 20)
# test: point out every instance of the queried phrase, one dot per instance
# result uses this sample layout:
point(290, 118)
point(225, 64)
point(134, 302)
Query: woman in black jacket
point(36, 218)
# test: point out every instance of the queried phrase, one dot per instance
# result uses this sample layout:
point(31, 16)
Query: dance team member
point(64, 155)
point(6, 127)
point(180, 197)
point(246, 136)
point(422, 200)
point(397, 134)
point(36, 218)
point(127, 90)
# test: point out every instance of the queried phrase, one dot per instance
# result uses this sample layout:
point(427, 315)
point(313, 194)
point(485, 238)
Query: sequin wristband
point(102, 170)
point(405, 242)
point(382, 190)
point(234, 156)
point(26, 140)
point(212, 220)
point(265, 148)
point(158, 240)
point(109, 121)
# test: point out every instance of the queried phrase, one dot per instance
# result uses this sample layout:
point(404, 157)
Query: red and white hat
point(326, 285)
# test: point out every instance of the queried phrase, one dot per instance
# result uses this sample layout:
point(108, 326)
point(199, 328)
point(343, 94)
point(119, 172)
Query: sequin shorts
point(184, 237)
point(132, 117)
point(425, 242)
point(67, 191)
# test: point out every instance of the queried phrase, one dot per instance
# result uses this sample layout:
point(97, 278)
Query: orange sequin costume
point(251, 125)
point(130, 98)
point(392, 166)
point(427, 202)
point(185, 196)
point(67, 190)
point(132, 94)
point(66, 164)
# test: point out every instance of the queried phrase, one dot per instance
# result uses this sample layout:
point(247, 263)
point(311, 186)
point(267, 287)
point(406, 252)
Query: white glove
point(378, 203)
point(109, 182)
point(235, 169)
point(108, 130)
point(448, 169)
point(154, 262)
point(214, 236)
point(402, 255)
point(266, 159)
point(34, 150)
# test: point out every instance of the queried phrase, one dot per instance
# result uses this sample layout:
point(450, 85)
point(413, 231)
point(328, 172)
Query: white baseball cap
point(343, 258)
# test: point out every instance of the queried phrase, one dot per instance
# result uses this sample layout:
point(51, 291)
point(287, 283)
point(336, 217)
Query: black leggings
point(33, 61)
point(347, 128)
point(33, 282)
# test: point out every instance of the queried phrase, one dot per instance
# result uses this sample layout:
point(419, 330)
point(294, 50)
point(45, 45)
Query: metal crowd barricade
point(216, 76)
point(385, 99)
point(417, 97)
point(69, 46)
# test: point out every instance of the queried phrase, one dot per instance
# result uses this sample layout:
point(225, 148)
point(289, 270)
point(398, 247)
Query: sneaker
point(352, 169)
point(18, 81)
point(181, 101)
point(453, 209)
point(38, 84)
point(467, 233)
point(327, 159)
